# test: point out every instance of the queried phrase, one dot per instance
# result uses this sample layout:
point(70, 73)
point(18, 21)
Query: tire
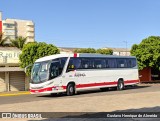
point(70, 89)
point(120, 85)
point(104, 89)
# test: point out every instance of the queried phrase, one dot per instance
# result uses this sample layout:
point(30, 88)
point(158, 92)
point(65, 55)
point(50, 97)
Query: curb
point(14, 93)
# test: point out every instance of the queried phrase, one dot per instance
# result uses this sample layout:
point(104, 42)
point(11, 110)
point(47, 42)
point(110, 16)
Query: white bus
point(74, 72)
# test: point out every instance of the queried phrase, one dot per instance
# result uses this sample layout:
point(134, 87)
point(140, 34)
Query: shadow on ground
point(148, 114)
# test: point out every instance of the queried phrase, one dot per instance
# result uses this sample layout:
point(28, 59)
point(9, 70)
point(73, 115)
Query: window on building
point(9, 25)
point(9, 32)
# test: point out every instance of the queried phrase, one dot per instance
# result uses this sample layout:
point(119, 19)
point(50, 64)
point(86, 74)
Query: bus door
point(74, 71)
point(55, 70)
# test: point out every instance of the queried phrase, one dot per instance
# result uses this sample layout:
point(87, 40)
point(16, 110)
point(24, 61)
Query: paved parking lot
point(89, 104)
point(144, 98)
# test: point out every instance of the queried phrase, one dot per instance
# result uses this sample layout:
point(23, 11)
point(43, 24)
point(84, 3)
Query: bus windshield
point(39, 72)
point(47, 70)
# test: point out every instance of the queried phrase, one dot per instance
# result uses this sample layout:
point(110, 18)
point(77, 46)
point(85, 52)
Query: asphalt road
point(129, 90)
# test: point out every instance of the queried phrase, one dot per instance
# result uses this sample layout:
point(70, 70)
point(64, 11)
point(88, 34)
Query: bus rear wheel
point(70, 89)
point(120, 85)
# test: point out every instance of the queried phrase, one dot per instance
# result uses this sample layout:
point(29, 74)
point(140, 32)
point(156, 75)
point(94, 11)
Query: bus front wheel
point(120, 85)
point(70, 89)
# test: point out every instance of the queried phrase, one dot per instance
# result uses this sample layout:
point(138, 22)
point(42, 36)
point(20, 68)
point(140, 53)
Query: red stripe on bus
point(102, 84)
point(75, 55)
point(95, 84)
point(84, 85)
point(41, 90)
point(131, 81)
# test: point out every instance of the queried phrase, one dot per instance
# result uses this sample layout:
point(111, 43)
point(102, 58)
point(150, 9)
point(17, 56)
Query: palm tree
point(2, 40)
point(19, 42)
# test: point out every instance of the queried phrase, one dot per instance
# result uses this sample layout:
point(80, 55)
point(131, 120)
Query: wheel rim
point(71, 89)
point(120, 85)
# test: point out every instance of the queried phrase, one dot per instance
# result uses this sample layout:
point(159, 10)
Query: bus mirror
point(25, 69)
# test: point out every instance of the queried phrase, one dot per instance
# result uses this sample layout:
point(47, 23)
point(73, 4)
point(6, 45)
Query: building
point(13, 28)
point(149, 74)
point(12, 77)
point(64, 50)
point(116, 51)
point(120, 51)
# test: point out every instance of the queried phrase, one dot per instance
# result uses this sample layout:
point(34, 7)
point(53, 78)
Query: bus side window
point(100, 63)
point(85, 63)
point(131, 63)
point(77, 63)
point(134, 63)
point(62, 61)
point(121, 63)
point(70, 66)
point(54, 70)
point(74, 63)
point(91, 63)
point(112, 63)
point(107, 65)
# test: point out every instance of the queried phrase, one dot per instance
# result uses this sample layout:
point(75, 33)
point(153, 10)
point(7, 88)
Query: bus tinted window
point(85, 63)
point(76, 62)
point(91, 63)
point(99, 63)
point(56, 67)
point(111, 63)
point(121, 63)
point(131, 63)
point(62, 61)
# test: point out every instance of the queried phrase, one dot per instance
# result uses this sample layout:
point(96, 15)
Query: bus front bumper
point(47, 90)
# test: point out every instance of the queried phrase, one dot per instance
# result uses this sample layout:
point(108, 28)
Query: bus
point(75, 72)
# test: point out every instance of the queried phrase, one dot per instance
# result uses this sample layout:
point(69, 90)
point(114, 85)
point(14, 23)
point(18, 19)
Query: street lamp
point(126, 46)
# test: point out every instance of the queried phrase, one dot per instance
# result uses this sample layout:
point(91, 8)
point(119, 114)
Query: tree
point(85, 50)
point(2, 39)
point(18, 42)
point(92, 50)
point(105, 51)
point(32, 51)
point(147, 52)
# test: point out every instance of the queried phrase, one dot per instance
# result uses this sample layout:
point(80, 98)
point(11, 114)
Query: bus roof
point(80, 55)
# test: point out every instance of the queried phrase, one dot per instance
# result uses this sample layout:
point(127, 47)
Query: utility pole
point(126, 46)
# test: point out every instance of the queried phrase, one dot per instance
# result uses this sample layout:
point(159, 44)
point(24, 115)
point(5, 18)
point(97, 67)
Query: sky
point(88, 23)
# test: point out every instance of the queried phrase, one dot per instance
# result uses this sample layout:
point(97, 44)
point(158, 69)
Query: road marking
point(15, 94)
